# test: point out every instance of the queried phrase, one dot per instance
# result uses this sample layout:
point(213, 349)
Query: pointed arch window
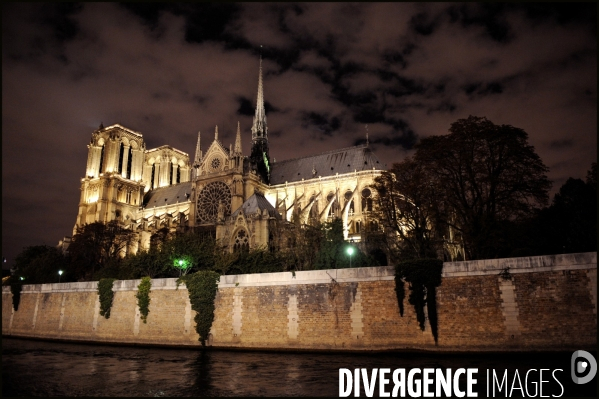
point(242, 241)
point(129, 162)
point(366, 200)
point(100, 170)
point(121, 154)
point(152, 180)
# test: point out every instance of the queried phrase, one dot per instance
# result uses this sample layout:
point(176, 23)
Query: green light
point(180, 263)
point(350, 251)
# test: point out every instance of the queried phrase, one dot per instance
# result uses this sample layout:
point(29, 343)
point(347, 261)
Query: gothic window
point(101, 159)
point(210, 198)
point(332, 208)
point(178, 174)
point(121, 154)
point(129, 160)
point(242, 242)
point(215, 164)
point(374, 226)
point(314, 209)
point(152, 181)
point(358, 227)
point(348, 195)
point(366, 200)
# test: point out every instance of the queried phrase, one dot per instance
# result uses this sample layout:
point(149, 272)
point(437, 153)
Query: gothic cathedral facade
point(239, 198)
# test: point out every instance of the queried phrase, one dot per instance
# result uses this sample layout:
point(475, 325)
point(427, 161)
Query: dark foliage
point(202, 287)
point(484, 174)
point(106, 296)
point(423, 277)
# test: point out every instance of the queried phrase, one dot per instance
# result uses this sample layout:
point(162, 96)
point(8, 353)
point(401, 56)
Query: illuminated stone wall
point(550, 303)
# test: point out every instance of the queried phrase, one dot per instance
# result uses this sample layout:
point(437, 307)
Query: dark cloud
point(561, 144)
point(169, 70)
point(489, 16)
point(322, 123)
point(482, 89)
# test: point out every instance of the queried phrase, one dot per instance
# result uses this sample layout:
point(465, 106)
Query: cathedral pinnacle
point(238, 141)
point(259, 129)
point(198, 150)
point(216, 133)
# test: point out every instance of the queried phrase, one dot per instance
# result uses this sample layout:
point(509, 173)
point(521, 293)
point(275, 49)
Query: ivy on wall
point(202, 287)
point(16, 285)
point(106, 296)
point(143, 297)
point(423, 277)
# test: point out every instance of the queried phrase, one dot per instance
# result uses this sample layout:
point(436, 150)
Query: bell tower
point(112, 188)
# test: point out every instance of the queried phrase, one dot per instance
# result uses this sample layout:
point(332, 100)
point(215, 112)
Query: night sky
point(406, 70)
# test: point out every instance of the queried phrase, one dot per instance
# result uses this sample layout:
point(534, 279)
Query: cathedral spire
point(259, 158)
point(237, 149)
point(216, 133)
point(198, 150)
point(259, 129)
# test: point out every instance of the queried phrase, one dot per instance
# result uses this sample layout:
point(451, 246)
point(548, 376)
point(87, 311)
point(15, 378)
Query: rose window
point(210, 199)
point(215, 164)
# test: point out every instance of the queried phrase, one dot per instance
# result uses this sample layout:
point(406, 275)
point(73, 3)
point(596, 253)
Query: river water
point(43, 368)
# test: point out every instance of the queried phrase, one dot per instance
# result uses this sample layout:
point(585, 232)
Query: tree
point(40, 264)
point(485, 174)
point(95, 245)
point(150, 263)
point(408, 207)
point(570, 224)
point(189, 251)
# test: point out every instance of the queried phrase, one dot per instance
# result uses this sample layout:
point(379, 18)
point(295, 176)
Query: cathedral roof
point(344, 160)
point(168, 195)
point(257, 202)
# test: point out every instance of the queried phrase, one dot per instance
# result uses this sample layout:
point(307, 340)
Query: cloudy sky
point(405, 70)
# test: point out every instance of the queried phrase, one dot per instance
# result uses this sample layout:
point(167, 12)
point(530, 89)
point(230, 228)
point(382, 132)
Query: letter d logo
point(580, 367)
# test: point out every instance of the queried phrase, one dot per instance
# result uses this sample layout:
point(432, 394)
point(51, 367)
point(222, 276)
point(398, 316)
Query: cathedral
point(239, 198)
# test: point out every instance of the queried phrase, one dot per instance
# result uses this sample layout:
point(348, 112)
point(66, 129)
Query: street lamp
point(59, 275)
point(350, 252)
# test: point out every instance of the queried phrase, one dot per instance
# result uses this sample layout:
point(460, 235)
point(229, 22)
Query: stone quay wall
point(549, 304)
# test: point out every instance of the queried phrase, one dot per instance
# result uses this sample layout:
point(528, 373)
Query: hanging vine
point(202, 287)
point(106, 296)
point(423, 277)
point(143, 297)
point(16, 285)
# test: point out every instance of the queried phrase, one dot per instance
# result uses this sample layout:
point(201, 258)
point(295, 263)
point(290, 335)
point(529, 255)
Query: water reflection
point(36, 368)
